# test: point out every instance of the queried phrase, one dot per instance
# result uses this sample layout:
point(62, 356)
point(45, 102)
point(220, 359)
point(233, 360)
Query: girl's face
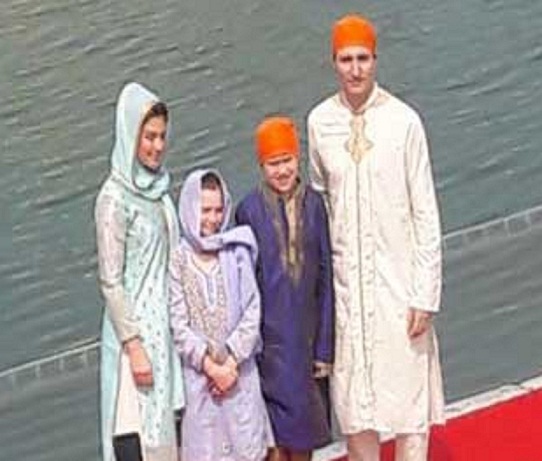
point(212, 211)
point(152, 143)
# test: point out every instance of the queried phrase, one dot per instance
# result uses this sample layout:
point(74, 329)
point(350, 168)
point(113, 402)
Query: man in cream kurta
point(369, 157)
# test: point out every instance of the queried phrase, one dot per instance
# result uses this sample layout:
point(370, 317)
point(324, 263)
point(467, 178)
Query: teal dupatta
point(137, 233)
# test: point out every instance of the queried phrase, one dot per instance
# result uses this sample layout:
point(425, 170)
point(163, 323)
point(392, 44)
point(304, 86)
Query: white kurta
point(375, 174)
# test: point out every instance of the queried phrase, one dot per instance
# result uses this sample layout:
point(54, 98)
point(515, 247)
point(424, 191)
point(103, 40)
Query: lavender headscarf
point(190, 218)
point(230, 244)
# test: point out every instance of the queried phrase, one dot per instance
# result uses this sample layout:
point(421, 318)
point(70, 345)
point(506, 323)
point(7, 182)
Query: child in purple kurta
point(215, 318)
point(295, 280)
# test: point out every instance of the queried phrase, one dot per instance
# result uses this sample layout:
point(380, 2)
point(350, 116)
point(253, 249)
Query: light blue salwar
point(136, 233)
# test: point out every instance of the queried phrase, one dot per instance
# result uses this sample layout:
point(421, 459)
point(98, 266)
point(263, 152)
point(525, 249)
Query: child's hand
point(225, 378)
point(213, 390)
point(231, 363)
point(221, 377)
point(321, 369)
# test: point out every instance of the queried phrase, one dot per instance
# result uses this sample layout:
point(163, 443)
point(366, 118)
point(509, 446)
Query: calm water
point(472, 68)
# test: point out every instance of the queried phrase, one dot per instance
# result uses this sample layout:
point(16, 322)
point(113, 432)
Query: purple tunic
point(298, 317)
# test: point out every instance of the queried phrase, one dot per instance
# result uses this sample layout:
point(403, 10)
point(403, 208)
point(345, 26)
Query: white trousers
point(128, 418)
point(365, 446)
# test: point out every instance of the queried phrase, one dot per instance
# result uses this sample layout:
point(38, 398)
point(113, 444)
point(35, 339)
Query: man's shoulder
point(397, 105)
point(321, 109)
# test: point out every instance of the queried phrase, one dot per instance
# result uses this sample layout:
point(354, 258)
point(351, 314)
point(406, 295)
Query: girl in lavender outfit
point(215, 318)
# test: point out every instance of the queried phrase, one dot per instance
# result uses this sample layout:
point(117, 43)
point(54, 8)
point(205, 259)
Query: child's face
point(212, 211)
point(281, 173)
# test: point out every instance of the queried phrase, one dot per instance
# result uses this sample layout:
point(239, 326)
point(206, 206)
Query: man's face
point(355, 67)
point(280, 173)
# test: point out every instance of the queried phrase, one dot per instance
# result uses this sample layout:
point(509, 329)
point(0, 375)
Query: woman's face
point(212, 211)
point(152, 143)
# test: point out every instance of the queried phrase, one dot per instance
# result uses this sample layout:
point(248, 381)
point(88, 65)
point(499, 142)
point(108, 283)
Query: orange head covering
point(353, 30)
point(276, 136)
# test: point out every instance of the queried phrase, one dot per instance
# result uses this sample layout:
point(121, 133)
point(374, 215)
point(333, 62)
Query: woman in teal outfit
point(136, 233)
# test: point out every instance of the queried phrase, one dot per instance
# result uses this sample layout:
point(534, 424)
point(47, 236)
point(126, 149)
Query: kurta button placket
point(367, 379)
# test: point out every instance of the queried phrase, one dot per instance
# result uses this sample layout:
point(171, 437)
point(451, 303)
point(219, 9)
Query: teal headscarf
point(133, 103)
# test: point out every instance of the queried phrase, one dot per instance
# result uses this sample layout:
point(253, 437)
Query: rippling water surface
point(471, 67)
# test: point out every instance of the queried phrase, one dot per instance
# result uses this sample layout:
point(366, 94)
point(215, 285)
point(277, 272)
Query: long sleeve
point(426, 222)
point(325, 339)
point(245, 337)
point(110, 237)
point(317, 176)
point(243, 218)
point(191, 346)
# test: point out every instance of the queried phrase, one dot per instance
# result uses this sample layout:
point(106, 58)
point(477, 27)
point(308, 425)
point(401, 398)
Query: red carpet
point(506, 431)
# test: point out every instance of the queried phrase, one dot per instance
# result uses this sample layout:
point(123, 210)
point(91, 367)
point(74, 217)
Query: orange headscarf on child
point(276, 136)
point(353, 30)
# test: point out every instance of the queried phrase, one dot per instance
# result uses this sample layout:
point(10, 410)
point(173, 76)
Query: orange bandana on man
point(275, 137)
point(353, 30)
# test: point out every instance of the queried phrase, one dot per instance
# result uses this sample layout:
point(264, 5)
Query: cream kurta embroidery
point(373, 169)
point(358, 145)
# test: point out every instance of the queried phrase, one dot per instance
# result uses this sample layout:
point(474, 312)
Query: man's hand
point(418, 322)
point(140, 365)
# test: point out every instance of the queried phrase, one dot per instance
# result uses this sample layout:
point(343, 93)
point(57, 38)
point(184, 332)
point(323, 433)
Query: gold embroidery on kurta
point(358, 144)
point(290, 247)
